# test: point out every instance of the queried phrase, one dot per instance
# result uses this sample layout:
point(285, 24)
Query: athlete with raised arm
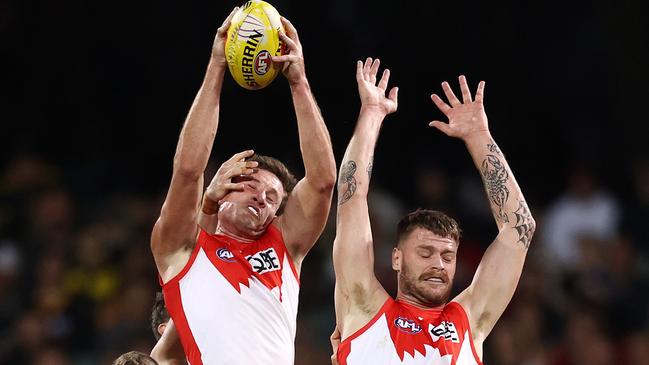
point(421, 325)
point(229, 258)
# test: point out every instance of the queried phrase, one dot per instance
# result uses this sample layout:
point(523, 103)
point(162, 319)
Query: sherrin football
point(252, 39)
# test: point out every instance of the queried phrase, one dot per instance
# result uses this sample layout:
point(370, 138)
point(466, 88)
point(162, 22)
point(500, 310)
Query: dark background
point(95, 94)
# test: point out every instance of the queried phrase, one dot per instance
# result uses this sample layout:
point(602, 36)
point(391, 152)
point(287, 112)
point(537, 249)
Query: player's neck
point(413, 301)
point(236, 234)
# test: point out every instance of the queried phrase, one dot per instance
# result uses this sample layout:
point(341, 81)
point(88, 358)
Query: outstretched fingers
point(464, 87)
point(394, 95)
point(383, 83)
point(366, 68)
point(443, 107)
point(359, 71)
point(374, 70)
point(450, 95)
point(444, 127)
point(479, 95)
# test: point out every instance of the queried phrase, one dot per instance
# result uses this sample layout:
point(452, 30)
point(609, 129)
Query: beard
point(416, 286)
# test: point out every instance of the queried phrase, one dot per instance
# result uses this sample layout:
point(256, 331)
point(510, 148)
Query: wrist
point(477, 137)
point(373, 111)
point(371, 117)
point(300, 84)
point(217, 65)
point(210, 207)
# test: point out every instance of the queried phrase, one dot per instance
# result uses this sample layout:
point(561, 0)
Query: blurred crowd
point(78, 282)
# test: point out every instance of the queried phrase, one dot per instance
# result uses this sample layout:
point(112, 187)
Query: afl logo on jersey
point(407, 325)
point(225, 254)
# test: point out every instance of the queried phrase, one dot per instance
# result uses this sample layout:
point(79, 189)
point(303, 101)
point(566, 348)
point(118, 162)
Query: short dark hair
point(135, 358)
point(280, 170)
point(159, 314)
point(432, 220)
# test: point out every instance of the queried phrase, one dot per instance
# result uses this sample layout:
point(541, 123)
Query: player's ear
point(396, 259)
point(161, 328)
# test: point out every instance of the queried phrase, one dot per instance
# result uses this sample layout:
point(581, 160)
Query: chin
point(436, 297)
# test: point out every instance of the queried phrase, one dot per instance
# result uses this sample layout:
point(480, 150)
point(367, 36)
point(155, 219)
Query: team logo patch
point(407, 325)
point(445, 330)
point(225, 254)
point(262, 63)
point(264, 261)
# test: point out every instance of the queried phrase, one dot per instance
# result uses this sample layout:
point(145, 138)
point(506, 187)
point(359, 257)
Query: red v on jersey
point(239, 262)
point(233, 296)
point(418, 336)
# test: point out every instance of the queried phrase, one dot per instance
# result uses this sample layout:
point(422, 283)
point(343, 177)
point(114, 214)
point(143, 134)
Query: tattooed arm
point(358, 294)
point(497, 275)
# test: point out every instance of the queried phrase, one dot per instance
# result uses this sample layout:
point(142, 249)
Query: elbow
point(325, 182)
point(187, 169)
point(328, 182)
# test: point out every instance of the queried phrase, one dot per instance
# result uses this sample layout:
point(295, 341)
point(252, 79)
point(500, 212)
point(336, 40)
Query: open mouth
point(254, 211)
point(435, 280)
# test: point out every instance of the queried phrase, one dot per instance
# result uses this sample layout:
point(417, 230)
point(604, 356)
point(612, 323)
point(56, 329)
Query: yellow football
point(252, 39)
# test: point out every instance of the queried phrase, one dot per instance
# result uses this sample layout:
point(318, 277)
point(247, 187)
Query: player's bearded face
point(427, 267)
point(251, 211)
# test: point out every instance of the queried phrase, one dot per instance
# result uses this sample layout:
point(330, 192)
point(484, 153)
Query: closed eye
point(424, 253)
point(448, 257)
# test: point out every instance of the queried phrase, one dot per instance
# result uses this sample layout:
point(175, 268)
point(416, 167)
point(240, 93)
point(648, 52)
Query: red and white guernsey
point(404, 334)
point(236, 303)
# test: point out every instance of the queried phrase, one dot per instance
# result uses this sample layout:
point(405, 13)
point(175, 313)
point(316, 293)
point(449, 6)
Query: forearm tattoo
point(494, 148)
point(369, 167)
point(346, 182)
point(524, 224)
point(495, 178)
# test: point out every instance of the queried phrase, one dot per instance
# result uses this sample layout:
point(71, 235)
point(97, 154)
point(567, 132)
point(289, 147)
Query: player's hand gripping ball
point(252, 39)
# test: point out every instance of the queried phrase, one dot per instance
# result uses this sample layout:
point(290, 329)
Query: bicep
point(176, 227)
point(359, 294)
point(494, 284)
point(304, 218)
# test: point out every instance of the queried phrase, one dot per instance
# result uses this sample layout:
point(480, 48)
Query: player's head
point(425, 256)
point(264, 197)
point(135, 358)
point(159, 316)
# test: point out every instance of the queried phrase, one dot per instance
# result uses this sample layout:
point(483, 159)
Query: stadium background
point(95, 93)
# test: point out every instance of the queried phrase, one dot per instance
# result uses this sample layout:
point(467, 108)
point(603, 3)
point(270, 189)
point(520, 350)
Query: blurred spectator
point(584, 210)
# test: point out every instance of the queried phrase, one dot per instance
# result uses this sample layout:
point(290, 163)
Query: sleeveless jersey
point(235, 302)
point(404, 334)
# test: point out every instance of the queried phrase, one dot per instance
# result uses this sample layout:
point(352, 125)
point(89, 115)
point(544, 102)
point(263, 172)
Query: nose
point(436, 262)
point(259, 198)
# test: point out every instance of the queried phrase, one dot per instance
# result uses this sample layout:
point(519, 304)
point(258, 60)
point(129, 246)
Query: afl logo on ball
point(262, 62)
point(225, 254)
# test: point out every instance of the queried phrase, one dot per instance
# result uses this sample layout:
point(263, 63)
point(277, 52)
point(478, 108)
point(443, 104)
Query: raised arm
point(308, 205)
point(358, 294)
point(175, 231)
point(497, 275)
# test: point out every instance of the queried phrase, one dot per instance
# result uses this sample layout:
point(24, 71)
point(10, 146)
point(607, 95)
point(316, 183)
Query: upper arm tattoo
point(370, 166)
point(346, 182)
point(524, 224)
point(495, 178)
